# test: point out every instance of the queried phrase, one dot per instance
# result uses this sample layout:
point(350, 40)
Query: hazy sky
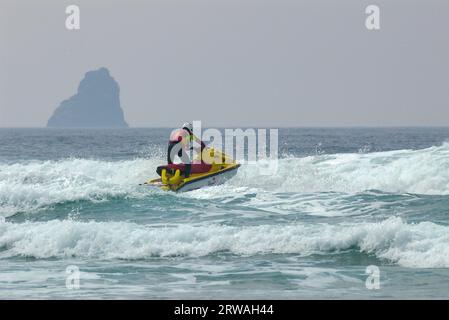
point(232, 63)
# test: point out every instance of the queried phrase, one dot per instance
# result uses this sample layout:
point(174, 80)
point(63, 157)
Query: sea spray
point(392, 240)
point(26, 187)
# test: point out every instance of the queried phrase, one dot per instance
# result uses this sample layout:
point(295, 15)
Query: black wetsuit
point(183, 155)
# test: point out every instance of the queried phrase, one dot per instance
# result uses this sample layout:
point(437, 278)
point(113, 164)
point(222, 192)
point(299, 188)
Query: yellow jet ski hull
point(220, 172)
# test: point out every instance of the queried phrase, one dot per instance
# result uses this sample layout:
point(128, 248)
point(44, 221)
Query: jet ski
point(214, 170)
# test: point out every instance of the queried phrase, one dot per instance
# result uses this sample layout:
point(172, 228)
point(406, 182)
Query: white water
point(423, 171)
point(30, 186)
point(26, 187)
point(411, 245)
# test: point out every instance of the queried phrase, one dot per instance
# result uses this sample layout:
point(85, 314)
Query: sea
point(343, 213)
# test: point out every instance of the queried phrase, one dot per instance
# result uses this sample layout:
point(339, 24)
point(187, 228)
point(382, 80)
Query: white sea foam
point(423, 171)
point(412, 245)
point(29, 186)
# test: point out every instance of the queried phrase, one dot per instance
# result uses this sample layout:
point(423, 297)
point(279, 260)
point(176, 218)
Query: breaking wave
point(29, 186)
point(411, 245)
point(424, 171)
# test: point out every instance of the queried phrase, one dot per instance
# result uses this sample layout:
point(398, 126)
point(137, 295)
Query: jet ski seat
point(196, 168)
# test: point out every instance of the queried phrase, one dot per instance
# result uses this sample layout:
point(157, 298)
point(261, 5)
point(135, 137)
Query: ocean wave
point(424, 171)
point(26, 187)
point(410, 245)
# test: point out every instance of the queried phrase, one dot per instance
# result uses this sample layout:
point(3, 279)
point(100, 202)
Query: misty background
point(273, 63)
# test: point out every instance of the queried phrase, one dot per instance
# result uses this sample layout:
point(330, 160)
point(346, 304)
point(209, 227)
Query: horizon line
point(236, 127)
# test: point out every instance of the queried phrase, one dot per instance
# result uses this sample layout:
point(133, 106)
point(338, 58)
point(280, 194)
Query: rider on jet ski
point(181, 140)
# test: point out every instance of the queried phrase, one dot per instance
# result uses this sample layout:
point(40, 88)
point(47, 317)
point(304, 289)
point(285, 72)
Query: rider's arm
point(196, 139)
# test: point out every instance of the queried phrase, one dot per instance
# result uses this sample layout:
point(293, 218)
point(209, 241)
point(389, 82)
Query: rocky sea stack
point(96, 104)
